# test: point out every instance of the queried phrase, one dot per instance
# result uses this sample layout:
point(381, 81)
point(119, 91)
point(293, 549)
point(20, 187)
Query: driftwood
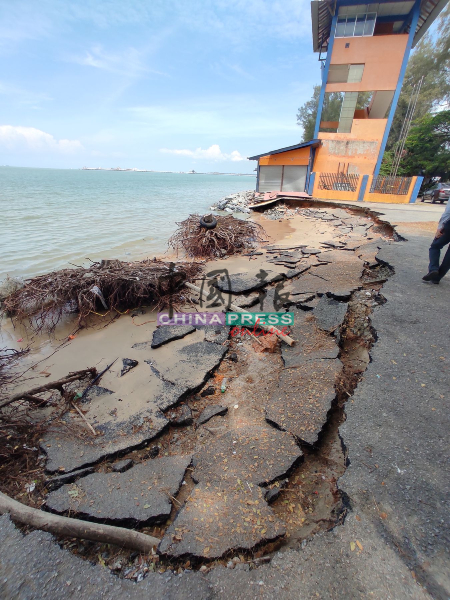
point(75, 528)
point(54, 385)
point(285, 338)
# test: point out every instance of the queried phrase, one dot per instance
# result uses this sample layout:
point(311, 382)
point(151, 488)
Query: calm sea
point(50, 218)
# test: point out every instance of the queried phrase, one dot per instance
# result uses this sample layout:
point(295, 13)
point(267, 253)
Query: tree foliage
point(307, 114)
point(427, 148)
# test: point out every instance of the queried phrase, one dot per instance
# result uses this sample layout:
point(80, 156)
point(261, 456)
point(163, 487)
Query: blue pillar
point(257, 177)
point(412, 31)
point(362, 189)
point(416, 189)
point(311, 183)
point(325, 75)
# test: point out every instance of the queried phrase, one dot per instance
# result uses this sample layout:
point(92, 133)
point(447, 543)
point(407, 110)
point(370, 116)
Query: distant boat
point(192, 172)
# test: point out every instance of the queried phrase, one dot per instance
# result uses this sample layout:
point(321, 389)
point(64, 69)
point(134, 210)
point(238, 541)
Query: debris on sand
point(113, 284)
point(198, 238)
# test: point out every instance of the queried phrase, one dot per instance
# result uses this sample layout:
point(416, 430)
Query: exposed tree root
point(109, 285)
point(230, 236)
point(75, 528)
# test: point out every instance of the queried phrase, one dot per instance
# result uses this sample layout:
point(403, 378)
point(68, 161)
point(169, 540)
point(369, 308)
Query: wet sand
point(99, 345)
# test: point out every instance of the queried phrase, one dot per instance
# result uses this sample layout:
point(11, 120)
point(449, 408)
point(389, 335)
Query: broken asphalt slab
point(227, 510)
point(189, 365)
point(139, 496)
point(311, 342)
point(211, 411)
point(128, 364)
point(220, 518)
point(255, 453)
point(168, 333)
point(338, 279)
point(243, 282)
point(303, 399)
point(329, 313)
point(174, 371)
point(67, 451)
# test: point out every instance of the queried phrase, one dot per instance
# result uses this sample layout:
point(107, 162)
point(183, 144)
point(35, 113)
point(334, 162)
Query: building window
point(345, 73)
point(356, 25)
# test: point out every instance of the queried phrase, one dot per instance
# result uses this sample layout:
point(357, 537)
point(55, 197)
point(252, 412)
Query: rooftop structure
point(364, 51)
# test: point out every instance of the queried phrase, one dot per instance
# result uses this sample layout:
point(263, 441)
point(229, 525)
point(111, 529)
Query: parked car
point(438, 193)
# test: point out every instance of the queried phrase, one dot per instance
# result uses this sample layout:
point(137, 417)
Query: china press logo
point(238, 321)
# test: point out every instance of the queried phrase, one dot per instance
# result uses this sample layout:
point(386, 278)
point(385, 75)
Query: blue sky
point(156, 84)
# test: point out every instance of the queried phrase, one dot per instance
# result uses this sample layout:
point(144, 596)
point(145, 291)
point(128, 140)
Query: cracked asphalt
point(394, 540)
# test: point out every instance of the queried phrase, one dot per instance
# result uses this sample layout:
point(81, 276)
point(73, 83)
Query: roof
point(312, 143)
point(322, 12)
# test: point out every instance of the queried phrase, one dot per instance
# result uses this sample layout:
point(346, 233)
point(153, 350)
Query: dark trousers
point(435, 252)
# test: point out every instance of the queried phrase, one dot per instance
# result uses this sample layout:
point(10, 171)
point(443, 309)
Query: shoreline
point(56, 217)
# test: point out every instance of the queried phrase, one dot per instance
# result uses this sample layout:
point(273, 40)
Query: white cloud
point(212, 153)
point(129, 62)
point(30, 138)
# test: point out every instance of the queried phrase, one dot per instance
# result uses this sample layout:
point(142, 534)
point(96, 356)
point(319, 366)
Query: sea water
point(55, 218)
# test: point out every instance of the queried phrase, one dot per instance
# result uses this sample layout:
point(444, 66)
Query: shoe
point(432, 276)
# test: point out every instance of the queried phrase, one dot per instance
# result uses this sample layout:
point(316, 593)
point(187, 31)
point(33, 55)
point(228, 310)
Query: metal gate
point(282, 178)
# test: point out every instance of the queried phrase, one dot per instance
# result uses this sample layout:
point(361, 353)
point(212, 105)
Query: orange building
point(364, 49)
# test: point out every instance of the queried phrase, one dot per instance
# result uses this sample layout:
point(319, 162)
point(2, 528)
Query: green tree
point(427, 147)
point(307, 114)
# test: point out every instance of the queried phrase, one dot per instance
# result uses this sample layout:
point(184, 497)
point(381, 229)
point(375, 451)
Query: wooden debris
point(71, 528)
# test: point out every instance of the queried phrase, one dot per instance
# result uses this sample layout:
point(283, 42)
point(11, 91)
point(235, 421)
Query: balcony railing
point(338, 182)
point(391, 185)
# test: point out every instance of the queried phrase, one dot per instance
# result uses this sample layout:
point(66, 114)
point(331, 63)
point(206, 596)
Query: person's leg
point(435, 250)
point(445, 266)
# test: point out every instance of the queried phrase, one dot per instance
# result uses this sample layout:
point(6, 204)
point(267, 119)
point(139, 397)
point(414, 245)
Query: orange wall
point(368, 197)
point(333, 194)
point(382, 56)
point(359, 148)
point(388, 198)
point(293, 157)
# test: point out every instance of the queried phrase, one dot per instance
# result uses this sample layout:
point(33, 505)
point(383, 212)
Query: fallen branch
point(67, 527)
point(54, 385)
point(94, 381)
point(84, 418)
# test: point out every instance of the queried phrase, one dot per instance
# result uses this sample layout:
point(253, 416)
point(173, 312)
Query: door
point(294, 179)
point(270, 178)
